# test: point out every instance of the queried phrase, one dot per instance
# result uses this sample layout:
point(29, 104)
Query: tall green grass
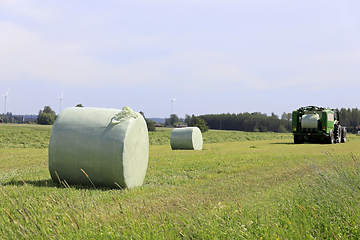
point(263, 189)
point(327, 204)
point(324, 205)
point(24, 136)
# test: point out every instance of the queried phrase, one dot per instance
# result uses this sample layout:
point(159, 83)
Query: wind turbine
point(6, 99)
point(62, 94)
point(172, 106)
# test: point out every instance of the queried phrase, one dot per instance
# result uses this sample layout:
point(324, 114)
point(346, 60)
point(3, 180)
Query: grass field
point(240, 186)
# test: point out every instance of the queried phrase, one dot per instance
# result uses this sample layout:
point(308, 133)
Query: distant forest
point(259, 122)
point(9, 118)
point(248, 122)
point(350, 118)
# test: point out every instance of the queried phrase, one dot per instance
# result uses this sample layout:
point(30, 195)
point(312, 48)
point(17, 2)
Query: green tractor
point(316, 124)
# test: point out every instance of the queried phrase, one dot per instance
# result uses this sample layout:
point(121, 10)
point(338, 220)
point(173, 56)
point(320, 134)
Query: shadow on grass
point(291, 143)
point(51, 184)
point(283, 143)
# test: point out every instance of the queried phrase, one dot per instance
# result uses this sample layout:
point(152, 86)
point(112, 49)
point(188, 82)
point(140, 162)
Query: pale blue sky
point(213, 56)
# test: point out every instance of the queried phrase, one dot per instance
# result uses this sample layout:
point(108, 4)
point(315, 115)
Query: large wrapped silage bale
point(110, 145)
point(186, 138)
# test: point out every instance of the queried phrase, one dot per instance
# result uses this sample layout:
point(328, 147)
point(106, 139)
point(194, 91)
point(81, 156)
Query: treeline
point(259, 122)
point(350, 118)
point(10, 118)
point(249, 122)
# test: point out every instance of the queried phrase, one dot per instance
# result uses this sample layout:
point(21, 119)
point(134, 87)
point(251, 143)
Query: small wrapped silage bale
point(186, 138)
point(103, 147)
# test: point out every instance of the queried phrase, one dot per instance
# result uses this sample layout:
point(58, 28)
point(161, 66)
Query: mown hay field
point(240, 186)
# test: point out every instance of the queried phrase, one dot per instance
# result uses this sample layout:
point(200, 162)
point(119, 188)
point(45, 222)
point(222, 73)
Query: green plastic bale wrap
point(186, 138)
point(310, 121)
point(98, 146)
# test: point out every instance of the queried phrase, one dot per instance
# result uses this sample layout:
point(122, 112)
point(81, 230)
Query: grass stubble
point(267, 188)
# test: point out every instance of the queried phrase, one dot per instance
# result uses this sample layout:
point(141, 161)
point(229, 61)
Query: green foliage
point(262, 128)
point(174, 119)
point(178, 124)
point(46, 119)
point(286, 116)
point(10, 118)
point(273, 115)
point(251, 121)
point(79, 105)
point(47, 109)
point(188, 120)
point(201, 124)
point(350, 118)
point(46, 116)
point(282, 129)
point(247, 121)
point(149, 123)
point(167, 122)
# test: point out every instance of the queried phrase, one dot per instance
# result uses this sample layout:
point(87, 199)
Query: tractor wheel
point(343, 134)
point(297, 140)
point(337, 133)
point(330, 139)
